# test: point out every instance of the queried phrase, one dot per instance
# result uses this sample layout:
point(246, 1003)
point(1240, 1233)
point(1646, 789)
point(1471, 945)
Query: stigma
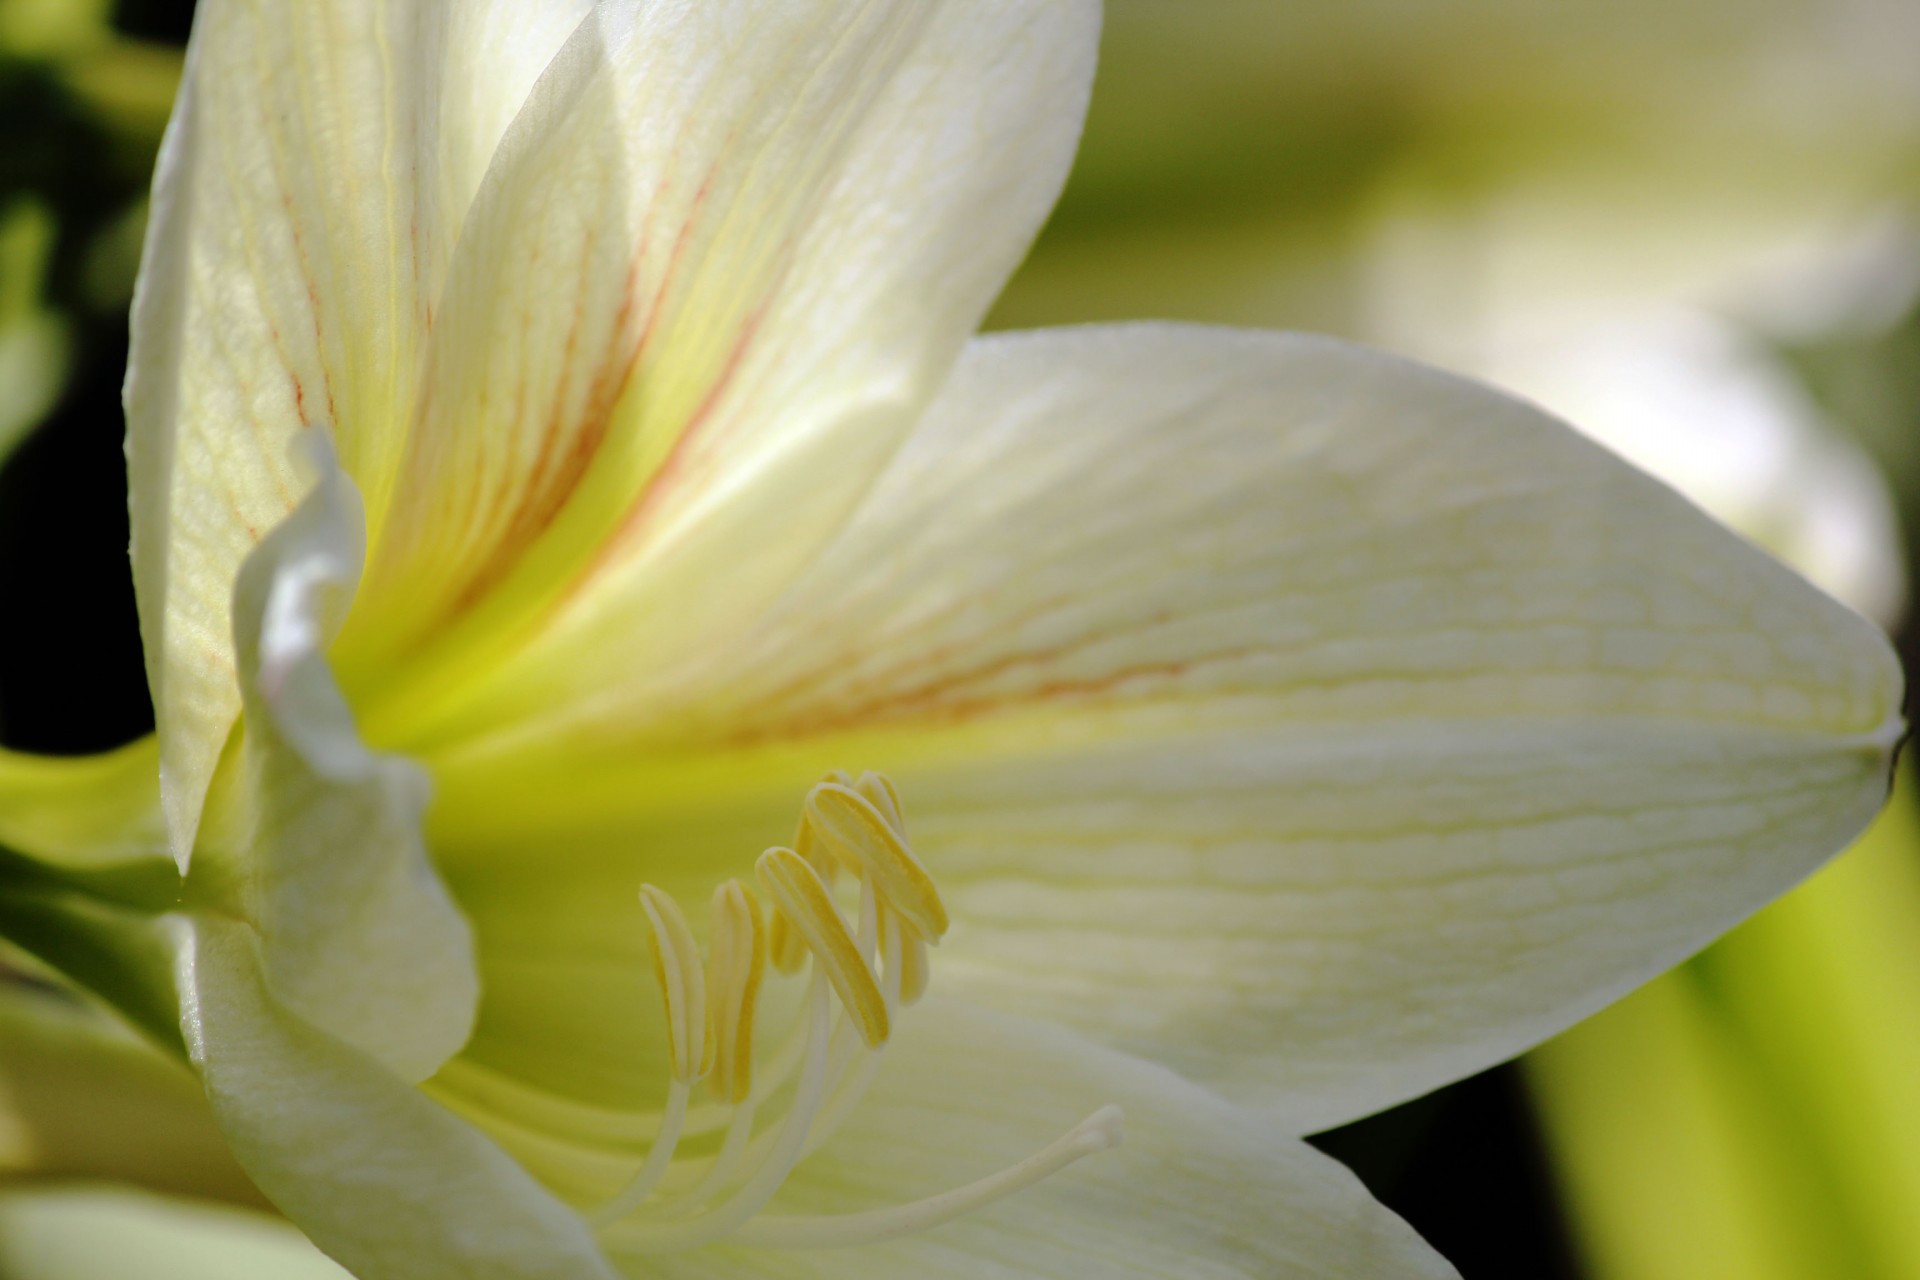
point(860, 975)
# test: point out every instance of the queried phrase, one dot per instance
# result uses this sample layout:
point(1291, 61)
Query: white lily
point(1285, 729)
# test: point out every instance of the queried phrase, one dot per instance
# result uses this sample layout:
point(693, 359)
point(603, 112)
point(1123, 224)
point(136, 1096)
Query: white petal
point(323, 836)
point(1198, 1187)
point(377, 1175)
point(1321, 725)
point(301, 216)
point(722, 260)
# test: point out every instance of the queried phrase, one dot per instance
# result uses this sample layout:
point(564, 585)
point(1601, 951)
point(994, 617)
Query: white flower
point(1283, 729)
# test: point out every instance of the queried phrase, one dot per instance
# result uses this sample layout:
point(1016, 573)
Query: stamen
point(732, 1148)
point(849, 825)
point(854, 1084)
point(914, 970)
point(765, 1182)
point(802, 897)
point(659, 1158)
point(676, 962)
point(738, 959)
point(789, 949)
point(878, 791)
point(875, 965)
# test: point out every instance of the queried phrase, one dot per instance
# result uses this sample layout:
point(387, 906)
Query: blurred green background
point(1691, 226)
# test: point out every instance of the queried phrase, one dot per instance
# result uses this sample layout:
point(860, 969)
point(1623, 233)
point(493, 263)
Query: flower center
point(859, 976)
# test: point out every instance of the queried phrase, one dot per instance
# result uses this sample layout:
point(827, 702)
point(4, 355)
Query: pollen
point(860, 969)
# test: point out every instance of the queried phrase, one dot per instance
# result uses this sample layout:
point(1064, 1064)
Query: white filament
point(790, 1135)
point(659, 1157)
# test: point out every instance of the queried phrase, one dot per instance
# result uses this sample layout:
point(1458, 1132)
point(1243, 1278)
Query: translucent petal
point(1198, 1187)
point(721, 262)
point(378, 1175)
point(307, 195)
point(314, 839)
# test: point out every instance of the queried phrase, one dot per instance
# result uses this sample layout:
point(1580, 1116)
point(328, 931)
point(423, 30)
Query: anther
point(676, 962)
point(878, 790)
point(914, 970)
point(738, 960)
point(801, 896)
point(801, 1096)
point(785, 947)
point(860, 835)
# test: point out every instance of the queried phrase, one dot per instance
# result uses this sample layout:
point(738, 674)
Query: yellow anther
point(873, 965)
point(857, 832)
point(737, 959)
point(676, 962)
point(787, 948)
point(799, 894)
point(878, 790)
point(914, 972)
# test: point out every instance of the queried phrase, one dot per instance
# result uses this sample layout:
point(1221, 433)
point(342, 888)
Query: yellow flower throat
point(860, 977)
